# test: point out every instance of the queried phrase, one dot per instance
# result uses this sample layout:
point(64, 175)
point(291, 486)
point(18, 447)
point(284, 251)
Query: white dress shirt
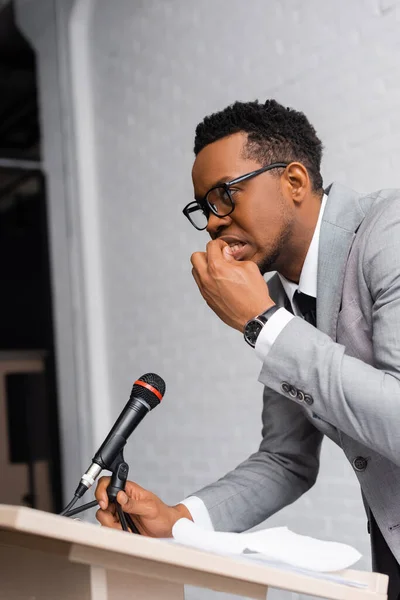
point(271, 330)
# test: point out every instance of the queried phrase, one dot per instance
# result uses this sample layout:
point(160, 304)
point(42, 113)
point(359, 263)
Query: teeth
point(236, 246)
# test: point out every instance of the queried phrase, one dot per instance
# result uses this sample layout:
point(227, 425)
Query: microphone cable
point(70, 505)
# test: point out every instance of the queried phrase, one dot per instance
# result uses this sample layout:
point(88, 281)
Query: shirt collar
point(308, 276)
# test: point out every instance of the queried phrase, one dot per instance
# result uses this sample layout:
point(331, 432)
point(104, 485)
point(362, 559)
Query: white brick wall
point(157, 69)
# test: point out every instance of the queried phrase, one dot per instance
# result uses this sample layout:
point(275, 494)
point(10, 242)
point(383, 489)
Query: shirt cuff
point(272, 328)
point(200, 514)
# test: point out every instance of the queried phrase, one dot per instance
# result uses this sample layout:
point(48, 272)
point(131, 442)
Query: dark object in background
point(26, 306)
point(25, 301)
point(27, 417)
point(28, 424)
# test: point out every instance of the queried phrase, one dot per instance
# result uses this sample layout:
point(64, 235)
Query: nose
point(215, 224)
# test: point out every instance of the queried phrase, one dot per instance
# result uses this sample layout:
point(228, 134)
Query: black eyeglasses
point(219, 200)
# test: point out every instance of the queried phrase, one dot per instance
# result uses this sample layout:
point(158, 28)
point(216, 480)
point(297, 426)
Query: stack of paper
point(277, 544)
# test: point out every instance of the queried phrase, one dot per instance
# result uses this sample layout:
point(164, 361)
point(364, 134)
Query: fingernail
point(102, 504)
point(122, 498)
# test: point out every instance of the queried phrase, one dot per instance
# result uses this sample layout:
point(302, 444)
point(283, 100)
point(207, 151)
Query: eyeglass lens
point(197, 216)
point(218, 201)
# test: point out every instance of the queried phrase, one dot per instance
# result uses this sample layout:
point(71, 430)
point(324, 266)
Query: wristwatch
point(253, 327)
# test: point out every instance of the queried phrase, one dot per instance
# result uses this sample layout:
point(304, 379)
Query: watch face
point(252, 331)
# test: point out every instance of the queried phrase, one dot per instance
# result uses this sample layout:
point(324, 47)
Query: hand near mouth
point(234, 290)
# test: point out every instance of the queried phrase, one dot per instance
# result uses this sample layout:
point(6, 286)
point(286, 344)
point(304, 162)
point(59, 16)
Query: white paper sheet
point(277, 544)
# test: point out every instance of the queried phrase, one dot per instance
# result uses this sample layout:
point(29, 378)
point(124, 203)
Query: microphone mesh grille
point(148, 396)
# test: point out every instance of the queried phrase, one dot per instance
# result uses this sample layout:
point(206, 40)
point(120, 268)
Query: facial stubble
point(270, 260)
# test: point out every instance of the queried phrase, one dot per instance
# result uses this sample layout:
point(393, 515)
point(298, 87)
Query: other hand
point(152, 517)
point(235, 290)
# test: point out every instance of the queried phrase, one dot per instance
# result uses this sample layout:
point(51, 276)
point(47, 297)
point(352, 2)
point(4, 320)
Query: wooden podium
point(48, 557)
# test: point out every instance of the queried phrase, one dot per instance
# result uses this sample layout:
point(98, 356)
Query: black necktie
point(307, 306)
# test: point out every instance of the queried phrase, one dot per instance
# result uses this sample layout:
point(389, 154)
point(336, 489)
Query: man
point(331, 365)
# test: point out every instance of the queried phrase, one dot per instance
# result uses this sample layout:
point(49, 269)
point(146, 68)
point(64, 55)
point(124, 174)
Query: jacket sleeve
point(285, 466)
point(361, 400)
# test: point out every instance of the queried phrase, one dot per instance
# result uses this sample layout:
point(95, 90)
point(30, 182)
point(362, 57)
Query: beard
point(269, 261)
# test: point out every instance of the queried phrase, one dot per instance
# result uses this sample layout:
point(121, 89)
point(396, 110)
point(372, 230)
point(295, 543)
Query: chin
point(266, 265)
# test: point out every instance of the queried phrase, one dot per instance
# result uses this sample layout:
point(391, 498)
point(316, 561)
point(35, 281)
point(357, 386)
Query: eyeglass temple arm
point(257, 172)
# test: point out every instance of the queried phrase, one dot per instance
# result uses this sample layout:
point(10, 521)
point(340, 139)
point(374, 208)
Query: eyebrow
point(219, 182)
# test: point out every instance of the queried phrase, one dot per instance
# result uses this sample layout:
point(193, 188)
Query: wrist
point(254, 326)
point(183, 511)
point(260, 312)
point(180, 512)
point(270, 305)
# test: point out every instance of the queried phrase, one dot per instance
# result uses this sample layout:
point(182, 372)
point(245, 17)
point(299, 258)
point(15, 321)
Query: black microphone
point(147, 393)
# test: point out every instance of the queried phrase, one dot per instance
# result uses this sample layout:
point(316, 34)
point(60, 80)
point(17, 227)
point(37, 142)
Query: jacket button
point(300, 395)
point(360, 463)
point(285, 387)
point(308, 399)
point(293, 392)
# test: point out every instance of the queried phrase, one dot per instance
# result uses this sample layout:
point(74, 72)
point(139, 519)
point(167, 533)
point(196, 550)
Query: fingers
point(205, 267)
point(214, 250)
point(132, 505)
point(199, 270)
point(199, 261)
point(108, 517)
point(101, 492)
point(197, 279)
point(217, 253)
point(135, 500)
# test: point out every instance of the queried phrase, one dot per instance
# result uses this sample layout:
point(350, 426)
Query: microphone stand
point(120, 470)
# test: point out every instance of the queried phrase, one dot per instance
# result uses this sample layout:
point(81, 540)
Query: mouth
point(239, 250)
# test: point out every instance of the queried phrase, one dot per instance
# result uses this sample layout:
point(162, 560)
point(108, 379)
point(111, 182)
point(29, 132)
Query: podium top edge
point(67, 531)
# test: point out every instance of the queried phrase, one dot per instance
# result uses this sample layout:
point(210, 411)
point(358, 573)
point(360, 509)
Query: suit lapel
point(341, 219)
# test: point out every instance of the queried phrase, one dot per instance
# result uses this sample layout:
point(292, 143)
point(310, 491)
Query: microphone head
point(150, 388)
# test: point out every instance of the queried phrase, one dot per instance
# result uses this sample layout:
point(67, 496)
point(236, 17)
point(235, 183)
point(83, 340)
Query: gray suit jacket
point(341, 379)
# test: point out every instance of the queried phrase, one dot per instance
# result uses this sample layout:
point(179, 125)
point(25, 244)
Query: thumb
point(128, 504)
point(227, 252)
point(131, 505)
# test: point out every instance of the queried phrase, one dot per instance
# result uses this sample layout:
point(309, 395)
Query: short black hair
point(275, 134)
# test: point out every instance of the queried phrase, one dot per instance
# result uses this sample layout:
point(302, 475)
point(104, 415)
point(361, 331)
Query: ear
point(296, 182)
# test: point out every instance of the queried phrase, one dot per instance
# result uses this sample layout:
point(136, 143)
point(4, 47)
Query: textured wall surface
point(156, 69)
